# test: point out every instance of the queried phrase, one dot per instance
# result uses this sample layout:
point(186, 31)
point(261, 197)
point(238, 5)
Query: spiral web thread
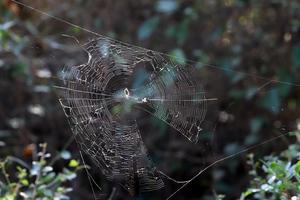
point(100, 97)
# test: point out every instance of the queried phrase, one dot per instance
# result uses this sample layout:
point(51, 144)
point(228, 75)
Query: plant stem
point(41, 161)
point(4, 172)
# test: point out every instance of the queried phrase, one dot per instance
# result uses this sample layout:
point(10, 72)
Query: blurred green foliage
point(147, 28)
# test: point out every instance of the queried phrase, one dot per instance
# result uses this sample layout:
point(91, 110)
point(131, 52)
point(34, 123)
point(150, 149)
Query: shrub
point(275, 177)
point(38, 180)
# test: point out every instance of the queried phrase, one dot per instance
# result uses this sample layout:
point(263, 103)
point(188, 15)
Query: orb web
point(102, 100)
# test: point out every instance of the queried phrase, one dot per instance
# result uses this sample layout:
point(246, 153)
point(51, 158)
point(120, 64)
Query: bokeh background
point(260, 38)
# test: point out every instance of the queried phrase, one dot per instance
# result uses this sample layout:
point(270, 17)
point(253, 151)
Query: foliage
point(275, 177)
point(38, 181)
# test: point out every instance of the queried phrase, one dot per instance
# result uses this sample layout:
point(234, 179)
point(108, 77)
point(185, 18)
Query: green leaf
point(25, 182)
point(73, 163)
point(284, 74)
point(71, 176)
point(266, 187)
point(178, 56)
point(3, 37)
point(36, 167)
point(47, 169)
point(47, 193)
point(231, 148)
point(296, 56)
point(48, 178)
point(297, 167)
point(179, 31)
point(249, 192)
point(278, 169)
point(10, 197)
point(166, 6)
point(251, 92)
point(272, 101)
point(65, 155)
point(256, 124)
point(22, 173)
point(75, 30)
point(18, 69)
point(147, 28)
point(182, 31)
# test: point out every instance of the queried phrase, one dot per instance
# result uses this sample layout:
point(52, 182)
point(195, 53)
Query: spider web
point(100, 99)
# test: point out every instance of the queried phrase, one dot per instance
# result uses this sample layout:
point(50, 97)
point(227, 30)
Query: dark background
point(257, 37)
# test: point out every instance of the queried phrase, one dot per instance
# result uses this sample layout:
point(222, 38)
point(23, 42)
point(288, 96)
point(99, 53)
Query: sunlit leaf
point(71, 176)
point(73, 163)
point(36, 167)
point(25, 182)
point(47, 169)
point(297, 167)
